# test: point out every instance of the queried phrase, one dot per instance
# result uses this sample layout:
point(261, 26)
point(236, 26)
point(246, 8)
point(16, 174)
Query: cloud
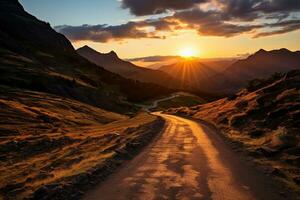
point(212, 23)
point(229, 17)
point(270, 6)
point(153, 58)
point(224, 18)
point(104, 33)
point(284, 27)
point(150, 7)
point(243, 9)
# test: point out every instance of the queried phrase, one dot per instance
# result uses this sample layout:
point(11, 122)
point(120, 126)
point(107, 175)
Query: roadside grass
point(46, 139)
point(182, 100)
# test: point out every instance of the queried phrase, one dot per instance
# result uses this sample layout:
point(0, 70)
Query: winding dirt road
point(187, 160)
point(155, 103)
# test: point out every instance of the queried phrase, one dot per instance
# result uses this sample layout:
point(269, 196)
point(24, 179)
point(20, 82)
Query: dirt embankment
point(264, 123)
point(55, 148)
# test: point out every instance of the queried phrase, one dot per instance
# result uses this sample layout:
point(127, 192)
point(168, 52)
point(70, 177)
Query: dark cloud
point(284, 27)
point(226, 21)
point(224, 18)
point(153, 58)
point(212, 23)
point(242, 9)
point(239, 9)
point(105, 33)
point(150, 7)
point(271, 6)
point(249, 10)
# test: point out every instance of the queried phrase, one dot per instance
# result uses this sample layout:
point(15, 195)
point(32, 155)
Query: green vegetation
point(183, 99)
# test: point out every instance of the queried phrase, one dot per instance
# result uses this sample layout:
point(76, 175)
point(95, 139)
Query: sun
point(188, 52)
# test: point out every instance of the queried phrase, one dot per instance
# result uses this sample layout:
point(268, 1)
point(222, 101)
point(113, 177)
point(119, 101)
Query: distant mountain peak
point(283, 50)
point(276, 52)
point(86, 48)
point(261, 51)
point(113, 54)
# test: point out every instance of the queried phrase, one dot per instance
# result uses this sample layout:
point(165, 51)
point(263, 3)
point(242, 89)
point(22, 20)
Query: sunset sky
point(209, 28)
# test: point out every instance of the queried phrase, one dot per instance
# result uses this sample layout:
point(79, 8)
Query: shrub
point(238, 120)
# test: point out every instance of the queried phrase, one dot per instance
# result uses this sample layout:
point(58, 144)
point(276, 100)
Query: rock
point(265, 100)
point(223, 119)
point(14, 193)
point(82, 179)
point(8, 132)
point(47, 119)
point(80, 192)
point(267, 169)
point(277, 113)
point(278, 172)
point(294, 161)
point(295, 151)
point(41, 193)
point(256, 133)
point(116, 134)
point(232, 97)
point(241, 104)
point(238, 120)
point(266, 151)
point(123, 154)
point(293, 73)
point(282, 193)
point(12, 186)
point(297, 180)
point(133, 145)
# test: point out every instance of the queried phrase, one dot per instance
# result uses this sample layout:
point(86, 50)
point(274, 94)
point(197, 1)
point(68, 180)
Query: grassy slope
point(53, 128)
point(264, 122)
point(183, 99)
point(48, 139)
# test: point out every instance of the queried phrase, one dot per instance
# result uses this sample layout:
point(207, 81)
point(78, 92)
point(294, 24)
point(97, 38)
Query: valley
point(76, 123)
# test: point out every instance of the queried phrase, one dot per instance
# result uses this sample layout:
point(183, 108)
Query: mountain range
point(111, 62)
point(260, 65)
point(229, 79)
point(33, 56)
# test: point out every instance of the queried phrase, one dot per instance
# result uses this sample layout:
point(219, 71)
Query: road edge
point(239, 149)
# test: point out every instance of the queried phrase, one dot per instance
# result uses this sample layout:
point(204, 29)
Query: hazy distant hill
point(111, 62)
point(259, 65)
point(223, 77)
point(35, 57)
point(190, 72)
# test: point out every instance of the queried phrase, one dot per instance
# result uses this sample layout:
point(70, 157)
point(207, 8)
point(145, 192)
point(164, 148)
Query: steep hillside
point(109, 61)
point(35, 57)
point(113, 63)
point(264, 122)
point(57, 137)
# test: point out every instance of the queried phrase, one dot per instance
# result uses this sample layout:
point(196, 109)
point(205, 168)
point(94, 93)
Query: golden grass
point(45, 138)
